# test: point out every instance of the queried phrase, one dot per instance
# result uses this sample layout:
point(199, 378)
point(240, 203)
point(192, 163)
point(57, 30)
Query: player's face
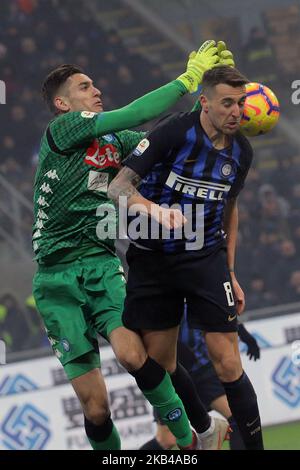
point(82, 95)
point(225, 107)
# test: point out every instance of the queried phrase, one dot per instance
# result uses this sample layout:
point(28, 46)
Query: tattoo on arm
point(124, 184)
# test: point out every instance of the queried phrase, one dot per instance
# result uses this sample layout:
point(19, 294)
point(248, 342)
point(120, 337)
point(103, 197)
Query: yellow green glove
point(204, 59)
point(225, 56)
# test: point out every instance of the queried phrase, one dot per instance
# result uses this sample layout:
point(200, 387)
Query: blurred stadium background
point(130, 47)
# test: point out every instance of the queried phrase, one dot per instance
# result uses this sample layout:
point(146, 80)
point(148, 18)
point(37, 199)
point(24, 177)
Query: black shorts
point(208, 387)
point(158, 283)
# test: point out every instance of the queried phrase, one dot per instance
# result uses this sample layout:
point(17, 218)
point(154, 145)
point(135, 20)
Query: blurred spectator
point(274, 212)
point(287, 261)
point(38, 337)
point(258, 296)
point(258, 58)
point(293, 289)
point(13, 326)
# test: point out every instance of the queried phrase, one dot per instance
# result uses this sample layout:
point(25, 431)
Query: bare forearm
point(123, 191)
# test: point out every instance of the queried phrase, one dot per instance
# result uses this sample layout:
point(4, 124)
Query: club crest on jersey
point(102, 156)
point(226, 170)
point(108, 137)
point(140, 149)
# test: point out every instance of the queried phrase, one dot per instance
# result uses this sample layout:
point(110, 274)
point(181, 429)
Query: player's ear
point(204, 103)
point(61, 104)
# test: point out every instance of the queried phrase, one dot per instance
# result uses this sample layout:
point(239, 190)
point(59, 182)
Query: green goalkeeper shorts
point(77, 300)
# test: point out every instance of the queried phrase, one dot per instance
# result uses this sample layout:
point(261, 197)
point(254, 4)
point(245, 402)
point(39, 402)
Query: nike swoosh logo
point(250, 424)
point(255, 108)
point(190, 161)
point(230, 318)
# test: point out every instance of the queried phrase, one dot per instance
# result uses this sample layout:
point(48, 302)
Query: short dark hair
point(223, 74)
point(54, 80)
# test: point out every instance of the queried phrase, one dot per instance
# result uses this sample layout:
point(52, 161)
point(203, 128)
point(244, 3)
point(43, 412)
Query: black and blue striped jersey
point(181, 168)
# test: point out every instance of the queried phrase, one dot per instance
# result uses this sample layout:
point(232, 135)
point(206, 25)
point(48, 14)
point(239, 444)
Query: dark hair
point(223, 74)
point(55, 80)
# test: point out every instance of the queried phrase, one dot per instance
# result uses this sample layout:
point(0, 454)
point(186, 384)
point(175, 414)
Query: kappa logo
point(42, 202)
point(102, 157)
point(52, 174)
point(46, 188)
point(39, 224)
point(42, 215)
point(25, 427)
point(37, 234)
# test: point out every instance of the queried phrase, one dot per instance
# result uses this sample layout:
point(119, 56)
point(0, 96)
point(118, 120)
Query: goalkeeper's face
point(224, 106)
point(79, 94)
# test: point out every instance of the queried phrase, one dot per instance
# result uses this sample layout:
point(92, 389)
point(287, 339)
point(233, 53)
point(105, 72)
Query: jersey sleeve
point(246, 160)
point(71, 131)
point(128, 140)
point(74, 129)
point(156, 146)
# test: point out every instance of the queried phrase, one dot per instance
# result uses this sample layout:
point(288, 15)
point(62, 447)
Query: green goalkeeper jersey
point(81, 152)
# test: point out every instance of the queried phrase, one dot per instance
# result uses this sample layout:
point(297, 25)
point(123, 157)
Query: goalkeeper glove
point(204, 59)
point(225, 56)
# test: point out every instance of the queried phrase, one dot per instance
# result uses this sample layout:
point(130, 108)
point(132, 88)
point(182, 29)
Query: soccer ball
point(261, 111)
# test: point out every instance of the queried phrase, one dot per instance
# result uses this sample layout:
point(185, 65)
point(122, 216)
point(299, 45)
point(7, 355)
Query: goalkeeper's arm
point(84, 126)
point(153, 104)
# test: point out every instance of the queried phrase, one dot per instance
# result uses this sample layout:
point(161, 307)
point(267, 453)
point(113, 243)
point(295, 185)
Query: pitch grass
point(280, 437)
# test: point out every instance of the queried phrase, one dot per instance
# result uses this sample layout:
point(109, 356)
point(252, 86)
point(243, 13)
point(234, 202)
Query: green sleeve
point(141, 110)
point(129, 140)
point(75, 129)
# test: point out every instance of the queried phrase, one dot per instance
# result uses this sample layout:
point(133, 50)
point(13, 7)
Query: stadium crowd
point(35, 36)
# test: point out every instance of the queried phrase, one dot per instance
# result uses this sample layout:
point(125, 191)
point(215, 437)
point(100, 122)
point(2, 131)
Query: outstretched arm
point(80, 127)
point(155, 103)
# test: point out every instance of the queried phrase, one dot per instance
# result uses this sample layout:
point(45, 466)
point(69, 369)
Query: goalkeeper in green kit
point(79, 286)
